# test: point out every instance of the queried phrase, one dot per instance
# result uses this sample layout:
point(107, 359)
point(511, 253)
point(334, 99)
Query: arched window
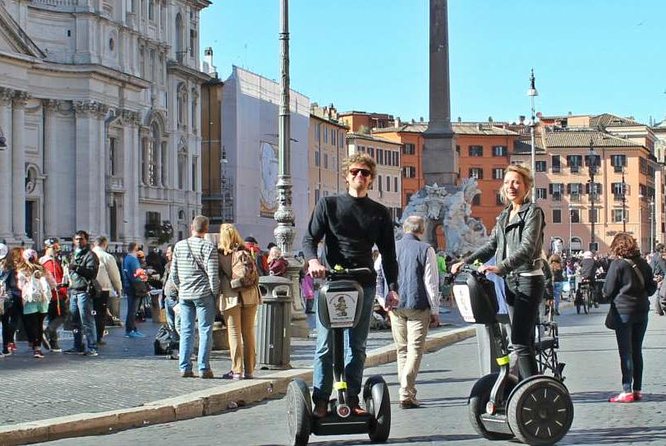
point(179, 38)
point(144, 160)
point(182, 166)
point(165, 164)
point(182, 105)
point(153, 146)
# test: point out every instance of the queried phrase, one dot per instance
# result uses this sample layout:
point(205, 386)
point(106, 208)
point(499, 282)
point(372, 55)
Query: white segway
point(339, 307)
point(537, 410)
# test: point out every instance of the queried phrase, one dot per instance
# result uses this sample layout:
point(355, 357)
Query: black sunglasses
point(364, 172)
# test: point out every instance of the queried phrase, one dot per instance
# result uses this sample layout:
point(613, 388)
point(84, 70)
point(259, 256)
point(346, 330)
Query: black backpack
point(165, 342)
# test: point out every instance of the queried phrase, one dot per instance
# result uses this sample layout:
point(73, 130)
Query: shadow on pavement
point(615, 435)
point(423, 439)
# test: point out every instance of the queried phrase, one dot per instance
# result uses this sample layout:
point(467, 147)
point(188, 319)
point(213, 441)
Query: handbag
point(611, 317)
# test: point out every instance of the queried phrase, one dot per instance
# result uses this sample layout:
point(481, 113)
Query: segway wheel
point(478, 399)
point(378, 405)
point(299, 412)
point(540, 411)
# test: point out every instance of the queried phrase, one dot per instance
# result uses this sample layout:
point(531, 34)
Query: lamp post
point(532, 92)
point(624, 203)
point(592, 164)
point(284, 215)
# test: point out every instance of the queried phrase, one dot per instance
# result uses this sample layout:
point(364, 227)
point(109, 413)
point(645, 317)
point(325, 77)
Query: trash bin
point(273, 323)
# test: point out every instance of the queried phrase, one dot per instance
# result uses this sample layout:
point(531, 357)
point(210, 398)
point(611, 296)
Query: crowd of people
point(201, 281)
point(43, 293)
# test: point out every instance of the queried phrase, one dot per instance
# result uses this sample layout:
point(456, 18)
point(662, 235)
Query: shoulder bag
point(612, 316)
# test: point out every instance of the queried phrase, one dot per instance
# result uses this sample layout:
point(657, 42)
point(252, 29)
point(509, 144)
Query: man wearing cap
point(58, 306)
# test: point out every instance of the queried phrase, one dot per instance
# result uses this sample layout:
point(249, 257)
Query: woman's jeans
point(10, 320)
point(524, 294)
point(629, 336)
point(354, 347)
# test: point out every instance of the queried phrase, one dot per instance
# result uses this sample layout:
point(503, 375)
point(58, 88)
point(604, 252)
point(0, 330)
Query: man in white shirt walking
point(418, 281)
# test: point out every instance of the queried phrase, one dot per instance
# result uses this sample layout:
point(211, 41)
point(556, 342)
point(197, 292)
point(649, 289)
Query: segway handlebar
point(347, 273)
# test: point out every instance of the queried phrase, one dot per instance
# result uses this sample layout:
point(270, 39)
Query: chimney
point(521, 119)
point(396, 122)
point(208, 66)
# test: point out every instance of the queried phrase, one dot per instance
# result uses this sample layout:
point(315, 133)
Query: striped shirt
point(187, 273)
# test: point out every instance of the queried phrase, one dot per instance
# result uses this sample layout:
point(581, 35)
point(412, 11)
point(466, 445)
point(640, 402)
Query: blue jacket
point(412, 256)
point(130, 265)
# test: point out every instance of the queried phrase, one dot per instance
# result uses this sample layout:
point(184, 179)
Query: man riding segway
point(350, 224)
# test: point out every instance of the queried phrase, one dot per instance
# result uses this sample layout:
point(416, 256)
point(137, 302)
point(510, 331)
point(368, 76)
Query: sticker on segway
point(464, 303)
point(342, 308)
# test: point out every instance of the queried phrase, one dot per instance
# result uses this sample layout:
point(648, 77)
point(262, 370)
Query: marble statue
point(451, 208)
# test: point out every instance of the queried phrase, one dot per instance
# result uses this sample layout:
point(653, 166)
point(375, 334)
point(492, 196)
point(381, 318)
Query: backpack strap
point(641, 279)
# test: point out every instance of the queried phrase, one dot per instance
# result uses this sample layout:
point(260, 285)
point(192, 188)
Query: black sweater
point(350, 226)
point(623, 287)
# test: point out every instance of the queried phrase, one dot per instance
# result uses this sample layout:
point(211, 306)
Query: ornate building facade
point(99, 108)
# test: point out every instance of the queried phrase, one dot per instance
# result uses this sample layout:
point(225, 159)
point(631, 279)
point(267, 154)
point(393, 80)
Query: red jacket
point(53, 266)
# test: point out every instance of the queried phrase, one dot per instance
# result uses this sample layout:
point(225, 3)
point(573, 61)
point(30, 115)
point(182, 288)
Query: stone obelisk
point(439, 161)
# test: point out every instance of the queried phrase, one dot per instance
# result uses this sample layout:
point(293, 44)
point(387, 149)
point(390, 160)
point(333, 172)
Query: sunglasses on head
point(364, 172)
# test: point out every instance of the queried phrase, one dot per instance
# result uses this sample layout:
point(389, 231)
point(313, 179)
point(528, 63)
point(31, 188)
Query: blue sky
point(589, 56)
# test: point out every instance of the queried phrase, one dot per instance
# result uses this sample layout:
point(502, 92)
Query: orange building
point(571, 205)
point(410, 136)
point(364, 122)
point(483, 153)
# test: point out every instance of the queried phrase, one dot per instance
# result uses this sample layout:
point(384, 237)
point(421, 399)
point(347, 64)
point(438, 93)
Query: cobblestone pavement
point(125, 374)
point(592, 375)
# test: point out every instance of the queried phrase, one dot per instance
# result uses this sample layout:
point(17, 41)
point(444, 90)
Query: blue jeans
point(203, 309)
point(629, 336)
point(81, 308)
point(355, 345)
point(132, 307)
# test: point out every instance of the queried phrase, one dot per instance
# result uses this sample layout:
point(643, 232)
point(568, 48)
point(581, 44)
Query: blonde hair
point(360, 158)
point(525, 173)
point(230, 239)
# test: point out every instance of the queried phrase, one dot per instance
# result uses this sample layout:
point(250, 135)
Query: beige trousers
point(242, 343)
point(409, 328)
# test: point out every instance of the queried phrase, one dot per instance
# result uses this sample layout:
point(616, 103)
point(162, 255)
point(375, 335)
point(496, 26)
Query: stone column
point(18, 165)
point(99, 160)
point(51, 189)
point(85, 139)
point(6, 165)
point(131, 176)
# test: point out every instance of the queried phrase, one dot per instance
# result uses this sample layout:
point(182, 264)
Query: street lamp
point(532, 92)
point(592, 165)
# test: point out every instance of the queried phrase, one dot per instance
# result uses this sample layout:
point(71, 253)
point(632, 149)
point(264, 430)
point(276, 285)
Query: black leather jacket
point(523, 237)
point(83, 267)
